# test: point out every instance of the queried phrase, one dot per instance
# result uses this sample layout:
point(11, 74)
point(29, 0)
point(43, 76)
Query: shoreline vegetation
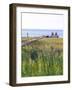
point(43, 56)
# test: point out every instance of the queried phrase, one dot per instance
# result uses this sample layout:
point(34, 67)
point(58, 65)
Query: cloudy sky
point(42, 21)
point(36, 24)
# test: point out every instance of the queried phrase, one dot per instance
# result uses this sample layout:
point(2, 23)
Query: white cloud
point(42, 21)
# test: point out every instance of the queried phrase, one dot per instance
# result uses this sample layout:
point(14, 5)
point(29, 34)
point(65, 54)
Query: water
point(40, 32)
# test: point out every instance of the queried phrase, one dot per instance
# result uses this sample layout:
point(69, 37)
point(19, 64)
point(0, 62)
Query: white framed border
point(63, 77)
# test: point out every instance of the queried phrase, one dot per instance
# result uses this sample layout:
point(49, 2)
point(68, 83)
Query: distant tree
point(27, 34)
point(52, 34)
point(56, 35)
point(47, 36)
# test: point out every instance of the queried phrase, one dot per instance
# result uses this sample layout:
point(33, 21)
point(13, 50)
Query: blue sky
point(39, 32)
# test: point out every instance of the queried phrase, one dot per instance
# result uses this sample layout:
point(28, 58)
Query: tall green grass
point(41, 58)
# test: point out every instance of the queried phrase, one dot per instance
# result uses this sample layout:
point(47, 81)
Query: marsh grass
point(42, 58)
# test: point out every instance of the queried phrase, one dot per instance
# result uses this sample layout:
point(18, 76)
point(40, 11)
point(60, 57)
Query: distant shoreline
point(39, 32)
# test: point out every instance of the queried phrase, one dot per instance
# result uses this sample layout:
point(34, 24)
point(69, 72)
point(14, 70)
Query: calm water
point(39, 32)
